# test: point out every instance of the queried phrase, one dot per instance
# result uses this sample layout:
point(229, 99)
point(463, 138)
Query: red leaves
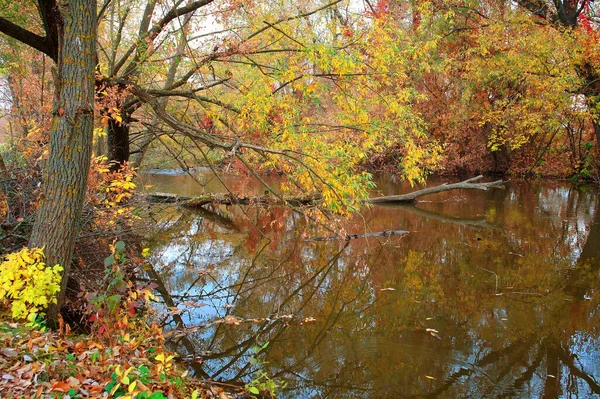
point(206, 123)
point(380, 10)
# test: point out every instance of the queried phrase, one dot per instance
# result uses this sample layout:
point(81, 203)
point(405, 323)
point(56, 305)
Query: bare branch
point(412, 197)
point(29, 38)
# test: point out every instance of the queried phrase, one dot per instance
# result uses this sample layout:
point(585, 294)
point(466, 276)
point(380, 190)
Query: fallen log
point(412, 197)
point(227, 199)
point(312, 200)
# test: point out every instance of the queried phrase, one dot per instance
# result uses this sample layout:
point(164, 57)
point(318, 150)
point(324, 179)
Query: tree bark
point(118, 141)
point(65, 178)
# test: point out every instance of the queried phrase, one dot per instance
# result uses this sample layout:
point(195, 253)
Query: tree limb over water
point(412, 197)
point(312, 200)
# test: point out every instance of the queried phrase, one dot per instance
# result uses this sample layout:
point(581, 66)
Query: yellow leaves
point(27, 283)
point(164, 362)
point(164, 359)
point(99, 132)
point(123, 379)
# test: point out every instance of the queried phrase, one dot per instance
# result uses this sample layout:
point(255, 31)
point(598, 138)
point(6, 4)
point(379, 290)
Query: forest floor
point(129, 361)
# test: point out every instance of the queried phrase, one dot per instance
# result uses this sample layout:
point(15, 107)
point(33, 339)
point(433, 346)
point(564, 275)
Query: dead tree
point(412, 197)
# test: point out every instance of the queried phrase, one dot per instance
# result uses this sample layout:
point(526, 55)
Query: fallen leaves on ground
point(132, 364)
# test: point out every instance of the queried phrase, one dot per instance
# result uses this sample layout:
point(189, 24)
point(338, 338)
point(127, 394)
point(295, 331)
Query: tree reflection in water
point(491, 295)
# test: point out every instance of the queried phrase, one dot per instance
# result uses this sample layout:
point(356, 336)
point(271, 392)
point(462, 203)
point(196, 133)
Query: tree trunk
point(591, 92)
point(65, 178)
point(118, 141)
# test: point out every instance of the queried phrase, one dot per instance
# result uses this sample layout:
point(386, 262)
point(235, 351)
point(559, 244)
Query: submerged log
point(348, 237)
point(412, 197)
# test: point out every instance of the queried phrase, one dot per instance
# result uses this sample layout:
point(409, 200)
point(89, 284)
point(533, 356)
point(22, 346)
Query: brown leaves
point(8, 352)
point(36, 364)
point(42, 363)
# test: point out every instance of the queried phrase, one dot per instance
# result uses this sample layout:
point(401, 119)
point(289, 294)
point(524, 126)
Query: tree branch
point(412, 197)
point(29, 38)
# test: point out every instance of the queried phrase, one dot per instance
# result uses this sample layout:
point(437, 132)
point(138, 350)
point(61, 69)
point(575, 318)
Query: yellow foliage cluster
point(27, 283)
point(110, 191)
point(521, 76)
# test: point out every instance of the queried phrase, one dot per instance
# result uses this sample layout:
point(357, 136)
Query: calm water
point(491, 294)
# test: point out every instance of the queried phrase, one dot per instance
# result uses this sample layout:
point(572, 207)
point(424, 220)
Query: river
point(490, 295)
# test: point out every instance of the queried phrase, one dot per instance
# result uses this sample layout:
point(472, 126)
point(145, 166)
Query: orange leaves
point(65, 386)
point(130, 362)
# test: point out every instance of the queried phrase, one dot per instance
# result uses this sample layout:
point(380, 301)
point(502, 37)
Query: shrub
point(27, 284)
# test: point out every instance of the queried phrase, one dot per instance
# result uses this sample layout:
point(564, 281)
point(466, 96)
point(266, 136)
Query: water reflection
point(492, 294)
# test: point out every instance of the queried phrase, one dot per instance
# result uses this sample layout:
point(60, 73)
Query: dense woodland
point(324, 94)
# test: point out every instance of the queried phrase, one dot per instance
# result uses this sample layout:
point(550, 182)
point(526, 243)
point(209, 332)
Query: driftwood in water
point(226, 199)
point(348, 237)
point(412, 197)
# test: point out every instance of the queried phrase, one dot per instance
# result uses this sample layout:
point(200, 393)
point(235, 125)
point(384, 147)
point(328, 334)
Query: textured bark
point(65, 177)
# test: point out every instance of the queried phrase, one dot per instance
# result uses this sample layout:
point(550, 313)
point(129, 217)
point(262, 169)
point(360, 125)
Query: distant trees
point(583, 17)
point(507, 89)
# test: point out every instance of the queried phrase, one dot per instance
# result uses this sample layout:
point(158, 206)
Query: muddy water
point(491, 294)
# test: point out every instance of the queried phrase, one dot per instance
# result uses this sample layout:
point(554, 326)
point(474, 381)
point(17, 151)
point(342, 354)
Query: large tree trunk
point(118, 141)
point(65, 177)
